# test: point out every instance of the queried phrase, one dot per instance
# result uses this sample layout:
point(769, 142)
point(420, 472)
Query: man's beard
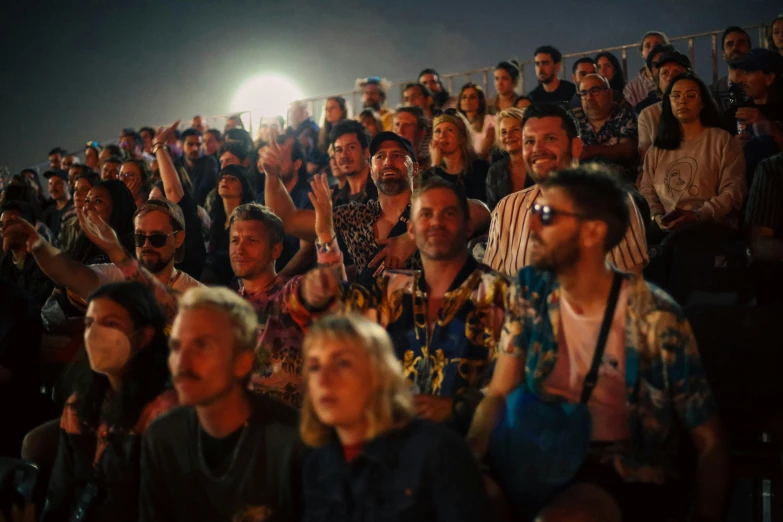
point(392, 187)
point(548, 79)
point(156, 263)
point(285, 177)
point(566, 161)
point(376, 106)
point(559, 258)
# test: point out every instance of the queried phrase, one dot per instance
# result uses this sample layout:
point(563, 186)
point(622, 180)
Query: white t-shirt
point(578, 338)
point(109, 273)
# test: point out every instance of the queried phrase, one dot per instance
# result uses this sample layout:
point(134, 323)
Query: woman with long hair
point(233, 189)
point(694, 174)
point(122, 388)
point(775, 34)
point(92, 152)
point(508, 174)
point(452, 154)
point(335, 110)
point(359, 417)
point(506, 81)
point(473, 105)
point(609, 67)
point(371, 119)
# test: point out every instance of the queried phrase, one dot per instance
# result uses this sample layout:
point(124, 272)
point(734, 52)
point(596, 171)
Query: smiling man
point(550, 142)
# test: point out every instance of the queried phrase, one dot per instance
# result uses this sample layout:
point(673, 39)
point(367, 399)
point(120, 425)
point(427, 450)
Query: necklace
point(234, 453)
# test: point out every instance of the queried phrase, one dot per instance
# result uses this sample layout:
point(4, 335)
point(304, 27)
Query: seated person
point(694, 174)
point(96, 474)
point(359, 415)
point(608, 129)
point(226, 454)
point(650, 380)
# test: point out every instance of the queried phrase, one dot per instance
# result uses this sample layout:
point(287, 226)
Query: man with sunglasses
point(550, 142)
point(159, 236)
point(650, 380)
point(608, 129)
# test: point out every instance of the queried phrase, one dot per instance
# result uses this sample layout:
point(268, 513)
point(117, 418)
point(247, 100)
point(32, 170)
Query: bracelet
point(157, 146)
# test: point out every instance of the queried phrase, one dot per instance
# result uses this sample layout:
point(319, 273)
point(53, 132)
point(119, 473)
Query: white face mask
point(107, 348)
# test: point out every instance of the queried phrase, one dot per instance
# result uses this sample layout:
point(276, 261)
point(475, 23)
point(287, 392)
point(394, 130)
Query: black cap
point(760, 59)
point(658, 49)
point(390, 136)
point(56, 173)
point(673, 57)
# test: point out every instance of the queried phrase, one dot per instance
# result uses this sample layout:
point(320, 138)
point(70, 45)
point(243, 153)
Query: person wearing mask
point(473, 105)
point(551, 89)
point(225, 454)
point(122, 389)
point(694, 174)
point(640, 87)
point(453, 157)
point(441, 99)
point(508, 175)
point(356, 429)
point(649, 384)
point(506, 78)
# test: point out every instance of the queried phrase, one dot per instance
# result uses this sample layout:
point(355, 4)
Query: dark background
point(77, 71)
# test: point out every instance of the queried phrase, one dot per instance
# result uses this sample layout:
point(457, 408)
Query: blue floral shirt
point(665, 381)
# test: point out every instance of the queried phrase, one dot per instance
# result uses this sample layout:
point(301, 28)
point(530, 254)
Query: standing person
point(97, 471)
point(225, 454)
point(506, 78)
point(357, 429)
point(648, 385)
point(509, 174)
point(473, 105)
point(551, 89)
point(453, 156)
point(640, 87)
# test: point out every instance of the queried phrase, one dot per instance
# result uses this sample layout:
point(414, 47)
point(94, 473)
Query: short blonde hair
point(390, 404)
point(242, 316)
point(512, 112)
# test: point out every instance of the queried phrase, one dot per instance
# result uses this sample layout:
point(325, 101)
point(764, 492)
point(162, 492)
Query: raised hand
point(396, 253)
point(272, 158)
point(436, 153)
point(165, 135)
point(320, 287)
point(99, 232)
point(321, 198)
point(17, 226)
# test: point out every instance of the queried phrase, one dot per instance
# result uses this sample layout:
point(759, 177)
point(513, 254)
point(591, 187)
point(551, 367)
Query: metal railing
point(631, 60)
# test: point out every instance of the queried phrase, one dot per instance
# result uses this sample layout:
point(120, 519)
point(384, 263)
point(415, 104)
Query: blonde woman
point(372, 459)
point(509, 174)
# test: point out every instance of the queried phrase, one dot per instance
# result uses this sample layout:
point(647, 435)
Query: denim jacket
point(421, 472)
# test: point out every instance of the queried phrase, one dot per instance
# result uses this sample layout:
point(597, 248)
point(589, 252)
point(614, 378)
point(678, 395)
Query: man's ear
point(577, 145)
point(179, 238)
point(277, 250)
point(243, 363)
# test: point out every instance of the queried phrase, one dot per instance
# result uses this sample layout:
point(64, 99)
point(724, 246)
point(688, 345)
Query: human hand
point(396, 253)
point(165, 134)
point(319, 286)
point(16, 227)
point(430, 407)
point(100, 233)
point(321, 198)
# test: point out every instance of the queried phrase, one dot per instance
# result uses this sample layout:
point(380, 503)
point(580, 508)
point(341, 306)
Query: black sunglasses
point(450, 112)
point(156, 240)
point(547, 214)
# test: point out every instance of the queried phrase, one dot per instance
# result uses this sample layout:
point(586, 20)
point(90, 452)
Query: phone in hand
point(671, 216)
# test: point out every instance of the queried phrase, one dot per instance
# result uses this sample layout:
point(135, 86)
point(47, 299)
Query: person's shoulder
point(535, 281)
point(480, 165)
point(434, 438)
point(651, 111)
point(272, 412)
point(771, 166)
point(185, 282)
point(513, 200)
point(171, 427)
point(647, 298)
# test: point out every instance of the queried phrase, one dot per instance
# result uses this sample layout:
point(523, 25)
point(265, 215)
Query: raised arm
point(172, 185)
point(296, 222)
point(56, 264)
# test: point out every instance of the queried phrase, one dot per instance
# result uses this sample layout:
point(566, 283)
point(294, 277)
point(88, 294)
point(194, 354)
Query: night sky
point(77, 71)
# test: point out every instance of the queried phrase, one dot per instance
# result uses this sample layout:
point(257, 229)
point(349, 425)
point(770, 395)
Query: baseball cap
point(760, 59)
point(56, 173)
point(390, 136)
point(658, 49)
point(673, 57)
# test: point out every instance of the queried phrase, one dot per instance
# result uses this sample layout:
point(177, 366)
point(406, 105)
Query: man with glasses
point(608, 130)
point(650, 380)
point(550, 142)
point(159, 235)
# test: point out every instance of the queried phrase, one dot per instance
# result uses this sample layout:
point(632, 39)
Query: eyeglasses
point(156, 240)
point(547, 214)
point(595, 91)
point(687, 95)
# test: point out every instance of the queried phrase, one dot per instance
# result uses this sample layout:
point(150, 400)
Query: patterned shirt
point(664, 376)
point(621, 124)
point(355, 224)
point(637, 89)
point(509, 235)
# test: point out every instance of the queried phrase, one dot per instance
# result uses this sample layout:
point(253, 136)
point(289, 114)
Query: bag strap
point(611, 305)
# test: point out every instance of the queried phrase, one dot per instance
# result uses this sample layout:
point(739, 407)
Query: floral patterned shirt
point(665, 380)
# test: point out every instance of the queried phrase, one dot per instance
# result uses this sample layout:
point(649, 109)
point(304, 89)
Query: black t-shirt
point(474, 180)
point(562, 95)
point(195, 253)
point(260, 469)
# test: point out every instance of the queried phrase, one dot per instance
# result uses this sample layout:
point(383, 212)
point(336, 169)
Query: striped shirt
point(765, 203)
point(509, 236)
point(639, 88)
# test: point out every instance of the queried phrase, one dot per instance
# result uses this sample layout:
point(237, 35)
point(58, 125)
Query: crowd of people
point(464, 308)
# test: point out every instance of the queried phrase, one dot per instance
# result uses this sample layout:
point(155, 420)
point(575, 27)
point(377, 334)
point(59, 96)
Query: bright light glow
point(266, 95)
